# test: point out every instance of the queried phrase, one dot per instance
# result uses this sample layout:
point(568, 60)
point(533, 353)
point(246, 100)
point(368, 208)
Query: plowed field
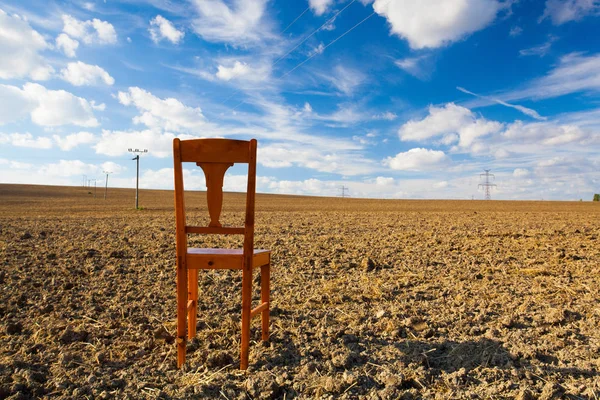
point(373, 299)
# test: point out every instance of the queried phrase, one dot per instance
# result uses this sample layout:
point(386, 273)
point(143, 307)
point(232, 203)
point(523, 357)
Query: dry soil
point(373, 299)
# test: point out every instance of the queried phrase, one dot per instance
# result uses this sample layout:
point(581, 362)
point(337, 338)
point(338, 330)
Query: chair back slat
point(214, 172)
point(225, 230)
point(215, 150)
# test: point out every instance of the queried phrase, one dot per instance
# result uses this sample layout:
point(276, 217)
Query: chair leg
point(182, 294)
point(265, 276)
point(192, 295)
point(246, 305)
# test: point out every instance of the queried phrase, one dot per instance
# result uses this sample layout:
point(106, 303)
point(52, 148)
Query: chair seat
point(207, 258)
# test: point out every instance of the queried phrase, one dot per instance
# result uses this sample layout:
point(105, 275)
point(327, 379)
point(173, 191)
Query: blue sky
point(390, 98)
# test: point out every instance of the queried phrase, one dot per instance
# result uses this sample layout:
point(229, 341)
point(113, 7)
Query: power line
point(344, 192)
point(294, 21)
point(324, 48)
point(295, 47)
point(303, 62)
point(487, 185)
point(313, 32)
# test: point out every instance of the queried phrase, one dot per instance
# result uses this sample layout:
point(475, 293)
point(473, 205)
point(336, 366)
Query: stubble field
point(371, 299)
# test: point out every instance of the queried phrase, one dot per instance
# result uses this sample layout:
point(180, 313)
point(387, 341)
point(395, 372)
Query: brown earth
point(374, 299)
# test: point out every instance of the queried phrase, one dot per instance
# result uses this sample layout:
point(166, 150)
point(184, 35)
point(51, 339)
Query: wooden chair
point(215, 156)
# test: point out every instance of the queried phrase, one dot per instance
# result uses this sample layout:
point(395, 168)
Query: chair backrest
point(214, 156)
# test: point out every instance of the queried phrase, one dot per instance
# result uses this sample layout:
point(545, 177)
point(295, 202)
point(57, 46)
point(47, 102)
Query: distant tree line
point(597, 197)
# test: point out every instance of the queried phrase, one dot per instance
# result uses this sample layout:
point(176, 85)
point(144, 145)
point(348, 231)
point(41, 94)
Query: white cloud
point(15, 104)
point(345, 79)
point(277, 121)
point(364, 140)
point(280, 155)
point(344, 116)
point(169, 113)
point(99, 107)
point(329, 25)
point(417, 159)
point(238, 70)
point(15, 164)
point(549, 134)
point(307, 108)
point(319, 7)
point(58, 107)
point(73, 140)
point(431, 23)
point(317, 50)
point(540, 50)
point(20, 46)
point(384, 181)
point(388, 116)
point(25, 140)
point(63, 172)
point(67, 45)
point(562, 172)
point(501, 154)
point(515, 31)
point(112, 167)
point(420, 67)
point(562, 11)
point(520, 172)
point(89, 32)
point(81, 74)
point(46, 107)
point(574, 73)
point(162, 28)
point(527, 111)
point(67, 168)
point(553, 162)
point(448, 120)
point(309, 186)
point(242, 23)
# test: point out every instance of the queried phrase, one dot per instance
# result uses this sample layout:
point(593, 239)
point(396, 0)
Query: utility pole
point(106, 184)
point(137, 174)
point(344, 193)
point(487, 185)
point(84, 179)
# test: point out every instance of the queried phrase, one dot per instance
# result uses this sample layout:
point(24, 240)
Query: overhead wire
point(312, 33)
point(294, 21)
point(314, 55)
point(287, 27)
point(304, 40)
point(332, 42)
point(299, 44)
